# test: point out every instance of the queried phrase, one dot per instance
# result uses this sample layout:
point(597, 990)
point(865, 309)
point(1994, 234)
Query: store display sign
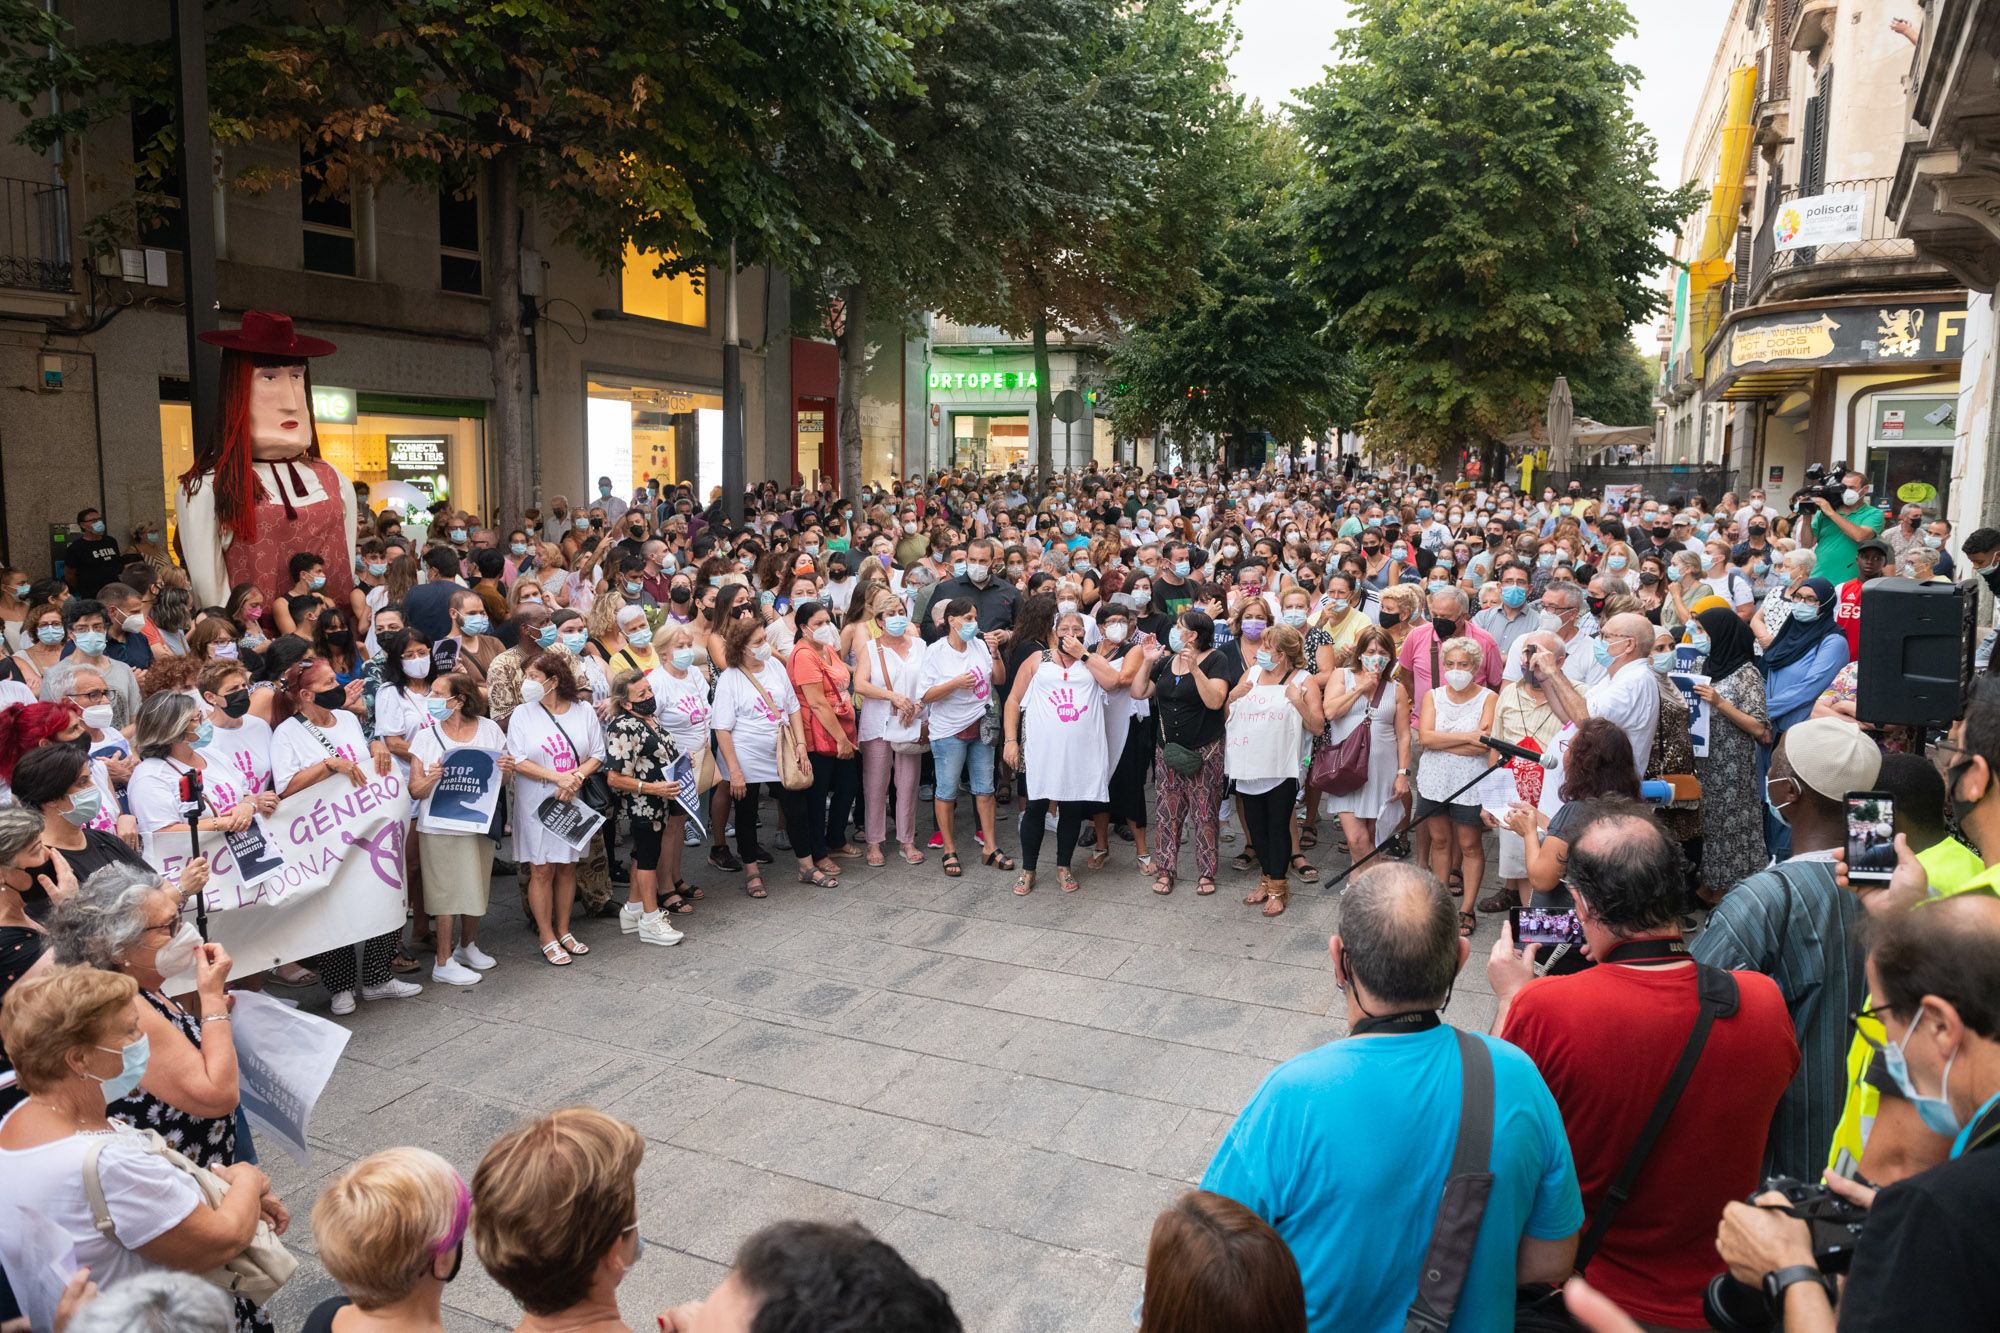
point(419, 460)
point(977, 381)
point(1855, 335)
point(335, 406)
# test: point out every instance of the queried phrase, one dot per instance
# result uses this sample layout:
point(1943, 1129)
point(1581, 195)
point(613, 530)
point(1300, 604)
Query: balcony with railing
point(1879, 259)
point(34, 235)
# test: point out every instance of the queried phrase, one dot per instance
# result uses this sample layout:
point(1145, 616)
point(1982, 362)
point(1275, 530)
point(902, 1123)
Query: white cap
point(1833, 756)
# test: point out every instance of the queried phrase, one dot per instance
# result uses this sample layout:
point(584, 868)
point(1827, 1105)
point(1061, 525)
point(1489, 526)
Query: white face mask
point(761, 653)
point(1458, 680)
point(1116, 631)
point(177, 954)
point(416, 668)
point(826, 634)
point(533, 691)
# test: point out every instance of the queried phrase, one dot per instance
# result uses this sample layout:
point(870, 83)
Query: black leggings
point(1069, 823)
point(336, 966)
point(794, 805)
point(646, 841)
point(836, 782)
point(1128, 780)
point(1267, 820)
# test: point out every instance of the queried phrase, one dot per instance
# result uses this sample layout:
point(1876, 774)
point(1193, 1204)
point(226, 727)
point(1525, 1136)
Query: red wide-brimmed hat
point(267, 333)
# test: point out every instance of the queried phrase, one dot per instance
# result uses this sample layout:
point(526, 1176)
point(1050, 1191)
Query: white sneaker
point(653, 929)
point(343, 1003)
point(474, 957)
point(628, 917)
point(395, 988)
point(451, 972)
point(691, 838)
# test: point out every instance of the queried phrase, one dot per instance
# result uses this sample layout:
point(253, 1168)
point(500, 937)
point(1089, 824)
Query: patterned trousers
point(1195, 798)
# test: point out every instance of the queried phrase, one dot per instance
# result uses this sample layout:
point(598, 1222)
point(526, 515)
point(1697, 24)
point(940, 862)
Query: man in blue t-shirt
point(1344, 1149)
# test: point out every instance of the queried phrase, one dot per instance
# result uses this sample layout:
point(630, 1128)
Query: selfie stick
point(1382, 844)
point(194, 844)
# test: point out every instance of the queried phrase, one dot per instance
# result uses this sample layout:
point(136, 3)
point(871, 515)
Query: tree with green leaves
point(1615, 386)
point(1480, 210)
point(1245, 350)
point(658, 124)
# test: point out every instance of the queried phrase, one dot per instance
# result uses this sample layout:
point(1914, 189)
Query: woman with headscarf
point(1801, 661)
point(1732, 845)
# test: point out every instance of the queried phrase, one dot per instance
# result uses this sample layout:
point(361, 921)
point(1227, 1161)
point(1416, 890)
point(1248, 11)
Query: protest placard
point(284, 1058)
point(466, 795)
point(572, 821)
point(1698, 711)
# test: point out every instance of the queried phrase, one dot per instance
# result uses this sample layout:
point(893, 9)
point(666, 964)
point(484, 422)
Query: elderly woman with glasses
point(171, 733)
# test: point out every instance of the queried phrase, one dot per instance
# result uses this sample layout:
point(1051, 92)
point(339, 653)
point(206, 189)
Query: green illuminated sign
point(976, 380)
point(334, 407)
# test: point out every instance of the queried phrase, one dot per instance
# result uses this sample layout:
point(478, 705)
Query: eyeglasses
point(1876, 1012)
point(91, 696)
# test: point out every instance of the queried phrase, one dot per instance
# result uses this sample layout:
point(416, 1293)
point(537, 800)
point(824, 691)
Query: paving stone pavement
point(1006, 1088)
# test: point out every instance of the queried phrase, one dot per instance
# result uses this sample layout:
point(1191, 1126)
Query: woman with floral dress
point(639, 756)
point(1732, 807)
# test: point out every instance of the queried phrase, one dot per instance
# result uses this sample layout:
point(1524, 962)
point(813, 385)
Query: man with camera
point(1844, 520)
point(1658, 1152)
point(1346, 1150)
point(1928, 1256)
point(1795, 924)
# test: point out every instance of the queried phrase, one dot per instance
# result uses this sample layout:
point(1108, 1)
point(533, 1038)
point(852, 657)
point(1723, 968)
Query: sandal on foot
point(826, 866)
point(1257, 895)
point(1066, 879)
point(1304, 869)
point(1244, 861)
point(875, 857)
point(553, 951)
point(951, 865)
point(1467, 923)
point(997, 859)
point(1204, 886)
point(573, 944)
point(1497, 901)
point(818, 878)
point(1163, 884)
point(1274, 904)
point(677, 906)
point(912, 856)
point(1025, 885)
point(1099, 858)
point(754, 886)
point(688, 891)
point(402, 962)
point(1308, 838)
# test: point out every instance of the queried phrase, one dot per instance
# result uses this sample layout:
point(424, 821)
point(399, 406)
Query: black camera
point(1819, 486)
point(1835, 1225)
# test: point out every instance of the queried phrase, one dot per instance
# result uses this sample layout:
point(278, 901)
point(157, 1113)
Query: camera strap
point(1716, 997)
point(1467, 1183)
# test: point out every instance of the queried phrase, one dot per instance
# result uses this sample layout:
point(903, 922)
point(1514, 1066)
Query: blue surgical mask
point(1803, 611)
point(1176, 638)
point(84, 806)
point(49, 635)
point(546, 636)
point(1614, 563)
point(1295, 618)
point(91, 642)
point(1935, 1112)
point(1514, 596)
point(316, 582)
point(1698, 640)
point(1266, 662)
point(204, 732)
point(1601, 651)
point(474, 625)
point(683, 658)
point(634, 589)
point(97, 527)
point(642, 637)
point(958, 569)
point(376, 569)
point(896, 626)
point(130, 1072)
point(1149, 569)
point(1436, 586)
point(1181, 568)
point(437, 708)
point(575, 639)
point(1663, 661)
point(1069, 528)
point(519, 548)
point(969, 631)
point(1777, 808)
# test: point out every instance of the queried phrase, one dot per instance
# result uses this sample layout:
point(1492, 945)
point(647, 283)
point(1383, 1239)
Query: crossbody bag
point(794, 769)
point(596, 789)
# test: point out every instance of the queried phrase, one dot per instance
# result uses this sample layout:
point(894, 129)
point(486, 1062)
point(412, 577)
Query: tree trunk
point(517, 466)
point(1045, 416)
point(853, 383)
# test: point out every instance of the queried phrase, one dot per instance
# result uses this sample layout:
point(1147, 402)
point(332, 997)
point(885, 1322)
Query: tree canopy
point(1480, 210)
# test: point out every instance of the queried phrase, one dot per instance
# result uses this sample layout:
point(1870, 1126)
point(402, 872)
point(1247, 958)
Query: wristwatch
point(1776, 1282)
point(1402, 772)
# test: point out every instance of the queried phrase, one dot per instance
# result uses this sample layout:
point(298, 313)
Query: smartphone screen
point(1871, 836)
point(1537, 925)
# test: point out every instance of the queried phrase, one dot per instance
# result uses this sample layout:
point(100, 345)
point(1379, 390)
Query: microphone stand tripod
point(194, 845)
point(1382, 844)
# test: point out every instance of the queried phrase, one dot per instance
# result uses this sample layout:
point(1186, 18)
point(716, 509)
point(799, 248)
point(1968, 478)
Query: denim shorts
point(953, 758)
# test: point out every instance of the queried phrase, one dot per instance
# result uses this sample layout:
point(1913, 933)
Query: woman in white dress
point(1453, 717)
point(753, 700)
point(172, 732)
point(1060, 696)
point(556, 742)
point(681, 691)
point(1273, 712)
point(885, 676)
point(1373, 696)
point(402, 713)
point(319, 739)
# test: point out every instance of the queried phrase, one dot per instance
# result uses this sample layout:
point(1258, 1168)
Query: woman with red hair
point(24, 727)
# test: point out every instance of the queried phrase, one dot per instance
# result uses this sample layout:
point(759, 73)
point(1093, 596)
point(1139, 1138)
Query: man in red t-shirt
point(1870, 557)
point(1606, 1041)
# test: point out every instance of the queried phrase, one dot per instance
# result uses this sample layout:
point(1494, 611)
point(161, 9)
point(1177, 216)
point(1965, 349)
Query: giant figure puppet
point(259, 492)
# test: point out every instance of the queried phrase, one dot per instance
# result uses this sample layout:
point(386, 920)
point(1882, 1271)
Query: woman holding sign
point(640, 755)
point(556, 743)
point(457, 867)
point(171, 734)
point(319, 739)
point(1732, 809)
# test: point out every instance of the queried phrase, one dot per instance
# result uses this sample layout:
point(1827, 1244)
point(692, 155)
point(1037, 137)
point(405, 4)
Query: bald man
point(1627, 695)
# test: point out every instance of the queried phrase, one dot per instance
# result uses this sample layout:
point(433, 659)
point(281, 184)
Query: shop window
point(678, 298)
point(460, 267)
point(327, 217)
point(636, 432)
point(1910, 442)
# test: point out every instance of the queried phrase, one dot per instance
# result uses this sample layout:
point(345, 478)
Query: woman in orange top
point(826, 695)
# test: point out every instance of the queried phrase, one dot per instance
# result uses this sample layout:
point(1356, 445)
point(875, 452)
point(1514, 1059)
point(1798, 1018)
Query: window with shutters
point(1812, 157)
point(1779, 88)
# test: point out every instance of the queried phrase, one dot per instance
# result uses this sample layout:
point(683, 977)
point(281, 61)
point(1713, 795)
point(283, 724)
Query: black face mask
point(1596, 605)
point(679, 596)
point(1390, 618)
point(1446, 627)
point(645, 707)
point(331, 699)
point(236, 703)
point(339, 638)
point(1661, 534)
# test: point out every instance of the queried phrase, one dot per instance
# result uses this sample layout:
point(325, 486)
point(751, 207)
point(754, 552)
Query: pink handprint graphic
point(246, 764)
point(979, 686)
point(1067, 708)
point(691, 708)
point(561, 758)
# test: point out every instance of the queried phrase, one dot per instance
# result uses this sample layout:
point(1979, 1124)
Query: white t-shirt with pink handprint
point(1068, 757)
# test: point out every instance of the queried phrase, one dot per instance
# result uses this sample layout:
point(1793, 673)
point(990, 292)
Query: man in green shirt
point(1837, 529)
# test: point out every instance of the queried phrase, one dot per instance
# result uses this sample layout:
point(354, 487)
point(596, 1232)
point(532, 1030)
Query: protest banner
point(1698, 711)
point(284, 1058)
point(572, 821)
point(467, 793)
point(341, 879)
point(690, 798)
